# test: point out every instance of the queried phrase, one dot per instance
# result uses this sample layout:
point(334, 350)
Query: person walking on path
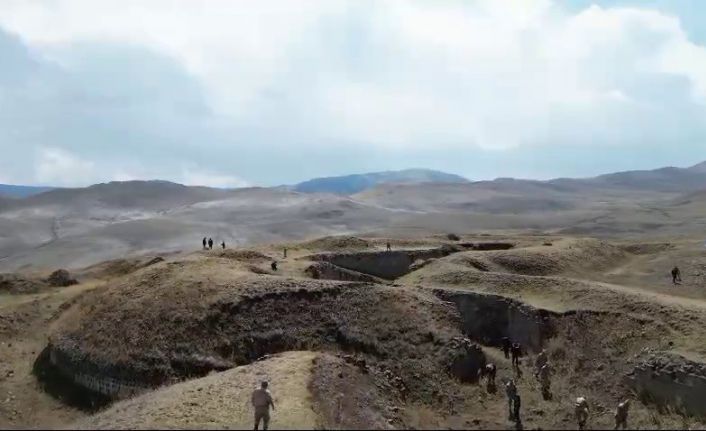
point(262, 401)
point(511, 392)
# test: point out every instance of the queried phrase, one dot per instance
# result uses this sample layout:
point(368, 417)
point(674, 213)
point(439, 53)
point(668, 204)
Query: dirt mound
point(188, 318)
point(241, 255)
point(647, 248)
point(61, 278)
point(564, 257)
point(337, 243)
point(120, 267)
point(17, 284)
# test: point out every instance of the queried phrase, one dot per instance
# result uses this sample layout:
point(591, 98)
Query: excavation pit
point(162, 325)
point(387, 265)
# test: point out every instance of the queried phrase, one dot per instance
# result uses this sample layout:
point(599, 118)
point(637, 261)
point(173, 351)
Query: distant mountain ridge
point(701, 167)
point(667, 179)
point(13, 191)
point(75, 227)
point(351, 184)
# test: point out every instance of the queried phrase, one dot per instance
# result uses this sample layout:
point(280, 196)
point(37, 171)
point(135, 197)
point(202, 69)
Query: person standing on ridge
point(223, 244)
point(210, 244)
point(204, 243)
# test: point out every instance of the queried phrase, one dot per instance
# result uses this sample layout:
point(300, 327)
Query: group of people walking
point(208, 244)
point(542, 372)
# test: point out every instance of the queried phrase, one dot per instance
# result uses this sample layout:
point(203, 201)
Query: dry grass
point(229, 307)
point(221, 400)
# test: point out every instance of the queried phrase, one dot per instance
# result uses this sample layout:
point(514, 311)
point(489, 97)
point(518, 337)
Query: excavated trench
point(328, 271)
point(487, 246)
point(668, 381)
point(343, 318)
point(387, 265)
point(488, 318)
point(377, 266)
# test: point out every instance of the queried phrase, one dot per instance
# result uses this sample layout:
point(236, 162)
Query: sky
point(235, 93)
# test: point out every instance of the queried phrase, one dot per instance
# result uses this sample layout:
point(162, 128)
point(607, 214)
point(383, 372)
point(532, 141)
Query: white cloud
point(399, 75)
point(58, 167)
point(193, 177)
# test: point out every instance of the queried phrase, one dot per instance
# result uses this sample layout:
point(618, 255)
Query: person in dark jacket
point(676, 275)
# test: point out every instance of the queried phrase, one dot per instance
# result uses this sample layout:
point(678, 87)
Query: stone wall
point(670, 380)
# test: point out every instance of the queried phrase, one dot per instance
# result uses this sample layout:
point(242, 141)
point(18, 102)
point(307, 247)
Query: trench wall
point(488, 246)
point(489, 318)
point(384, 264)
point(674, 382)
point(329, 271)
point(83, 373)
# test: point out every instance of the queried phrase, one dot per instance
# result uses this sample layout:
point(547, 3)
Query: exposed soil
point(186, 340)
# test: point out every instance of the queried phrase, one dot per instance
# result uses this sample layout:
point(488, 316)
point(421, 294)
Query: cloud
point(209, 179)
point(58, 167)
point(247, 90)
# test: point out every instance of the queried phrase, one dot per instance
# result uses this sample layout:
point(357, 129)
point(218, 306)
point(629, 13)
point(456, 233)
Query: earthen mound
point(564, 257)
point(186, 319)
point(61, 278)
point(334, 243)
point(120, 267)
point(250, 256)
point(17, 284)
point(307, 388)
point(647, 248)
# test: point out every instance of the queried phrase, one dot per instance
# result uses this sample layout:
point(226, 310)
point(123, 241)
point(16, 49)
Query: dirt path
point(221, 399)
point(24, 325)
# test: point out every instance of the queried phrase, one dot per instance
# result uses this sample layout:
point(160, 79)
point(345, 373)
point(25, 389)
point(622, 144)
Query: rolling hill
point(80, 226)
